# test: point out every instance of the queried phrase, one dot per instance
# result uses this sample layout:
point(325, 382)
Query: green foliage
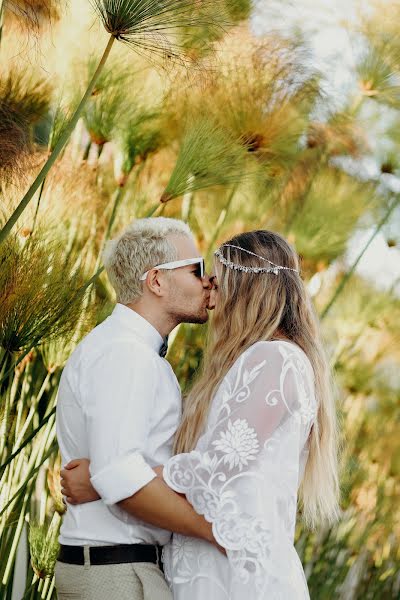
point(212, 18)
point(24, 100)
point(333, 197)
point(26, 96)
point(263, 99)
point(379, 74)
point(44, 546)
point(101, 114)
point(107, 103)
point(137, 136)
point(242, 145)
point(150, 26)
point(208, 157)
point(239, 10)
point(40, 293)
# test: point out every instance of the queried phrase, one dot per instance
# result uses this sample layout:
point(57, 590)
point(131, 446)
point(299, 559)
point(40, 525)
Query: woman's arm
point(75, 482)
point(76, 485)
point(155, 503)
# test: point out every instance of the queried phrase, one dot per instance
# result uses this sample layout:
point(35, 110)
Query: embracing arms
point(120, 398)
point(154, 503)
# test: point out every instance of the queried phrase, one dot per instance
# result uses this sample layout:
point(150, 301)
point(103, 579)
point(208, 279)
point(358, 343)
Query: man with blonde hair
point(119, 405)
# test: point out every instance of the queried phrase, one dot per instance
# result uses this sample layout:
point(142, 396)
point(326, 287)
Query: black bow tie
point(164, 348)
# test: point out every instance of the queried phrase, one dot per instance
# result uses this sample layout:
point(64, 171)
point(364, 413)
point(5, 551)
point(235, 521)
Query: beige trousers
point(131, 581)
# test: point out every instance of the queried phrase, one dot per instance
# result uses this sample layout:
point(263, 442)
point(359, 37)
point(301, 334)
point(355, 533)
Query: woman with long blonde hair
point(258, 433)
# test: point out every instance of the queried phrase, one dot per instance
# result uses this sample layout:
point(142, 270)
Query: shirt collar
point(138, 324)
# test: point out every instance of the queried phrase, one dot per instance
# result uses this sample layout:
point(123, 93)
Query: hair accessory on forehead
point(237, 267)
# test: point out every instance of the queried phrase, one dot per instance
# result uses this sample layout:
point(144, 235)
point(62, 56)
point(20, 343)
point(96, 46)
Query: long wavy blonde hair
point(252, 307)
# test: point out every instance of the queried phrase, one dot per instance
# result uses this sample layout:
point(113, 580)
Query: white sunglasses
point(178, 263)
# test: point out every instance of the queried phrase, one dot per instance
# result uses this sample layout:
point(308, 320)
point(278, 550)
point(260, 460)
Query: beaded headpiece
point(237, 267)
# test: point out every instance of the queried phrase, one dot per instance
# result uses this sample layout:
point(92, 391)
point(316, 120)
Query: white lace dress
point(243, 477)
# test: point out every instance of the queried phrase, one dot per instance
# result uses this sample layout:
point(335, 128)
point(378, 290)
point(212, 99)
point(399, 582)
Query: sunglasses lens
point(199, 270)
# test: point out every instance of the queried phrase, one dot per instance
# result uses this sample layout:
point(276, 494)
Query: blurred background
point(231, 115)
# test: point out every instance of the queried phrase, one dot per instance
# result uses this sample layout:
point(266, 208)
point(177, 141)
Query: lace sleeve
point(243, 475)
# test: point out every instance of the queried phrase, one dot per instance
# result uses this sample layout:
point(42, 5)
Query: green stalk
point(4, 425)
point(1, 18)
point(25, 386)
point(31, 588)
point(27, 440)
point(32, 411)
point(153, 210)
point(57, 148)
point(137, 173)
point(33, 594)
point(187, 206)
point(4, 357)
point(12, 389)
point(15, 540)
point(91, 280)
point(37, 205)
point(350, 272)
point(117, 199)
point(29, 476)
point(16, 363)
point(51, 589)
point(117, 196)
point(44, 587)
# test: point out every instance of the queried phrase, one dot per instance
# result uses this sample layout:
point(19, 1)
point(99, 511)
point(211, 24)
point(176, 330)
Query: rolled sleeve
point(122, 478)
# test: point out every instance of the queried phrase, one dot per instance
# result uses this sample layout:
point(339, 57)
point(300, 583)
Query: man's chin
point(195, 319)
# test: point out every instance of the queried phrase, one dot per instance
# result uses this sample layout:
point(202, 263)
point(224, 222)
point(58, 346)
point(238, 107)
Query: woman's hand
point(75, 482)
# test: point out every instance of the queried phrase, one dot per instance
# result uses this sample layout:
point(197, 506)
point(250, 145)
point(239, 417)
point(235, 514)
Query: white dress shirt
point(119, 405)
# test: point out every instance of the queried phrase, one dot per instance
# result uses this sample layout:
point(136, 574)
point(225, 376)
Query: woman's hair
point(253, 307)
point(143, 245)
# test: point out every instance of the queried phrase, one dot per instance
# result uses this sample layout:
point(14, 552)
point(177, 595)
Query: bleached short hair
point(140, 247)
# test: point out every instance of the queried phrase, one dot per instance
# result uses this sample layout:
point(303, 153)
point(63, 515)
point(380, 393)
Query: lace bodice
point(244, 474)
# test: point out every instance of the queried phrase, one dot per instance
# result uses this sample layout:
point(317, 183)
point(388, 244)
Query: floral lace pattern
point(239, 443)
point(243, 477)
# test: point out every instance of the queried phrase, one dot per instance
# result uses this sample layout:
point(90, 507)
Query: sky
point(333, 51)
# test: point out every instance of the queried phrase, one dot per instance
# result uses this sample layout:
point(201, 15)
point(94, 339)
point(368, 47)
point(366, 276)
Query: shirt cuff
point(122, 478)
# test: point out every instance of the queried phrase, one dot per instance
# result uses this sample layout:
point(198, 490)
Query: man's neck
point(161, 322)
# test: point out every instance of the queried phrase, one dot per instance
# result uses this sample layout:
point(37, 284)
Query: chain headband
point(237, 267)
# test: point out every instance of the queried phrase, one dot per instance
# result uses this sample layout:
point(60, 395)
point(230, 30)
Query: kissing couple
point(256, 438)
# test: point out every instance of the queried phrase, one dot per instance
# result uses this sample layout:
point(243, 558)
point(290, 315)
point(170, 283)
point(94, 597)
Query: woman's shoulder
point(276, 346)
point(274, 353)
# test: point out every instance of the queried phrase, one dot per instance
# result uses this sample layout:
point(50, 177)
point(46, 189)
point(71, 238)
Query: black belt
point(111, 555)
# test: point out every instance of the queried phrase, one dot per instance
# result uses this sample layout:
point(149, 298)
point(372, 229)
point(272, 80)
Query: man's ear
point(155, 282)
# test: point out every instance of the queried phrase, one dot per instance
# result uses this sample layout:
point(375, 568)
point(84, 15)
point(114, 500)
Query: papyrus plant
point(43, 543)
point(147, 26)
point(36, 288)
point(208, 156)
point(24, 100)
point(105, 107)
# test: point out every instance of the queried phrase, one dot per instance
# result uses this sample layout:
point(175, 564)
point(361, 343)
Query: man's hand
point(159, 470)
point(75, 482)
